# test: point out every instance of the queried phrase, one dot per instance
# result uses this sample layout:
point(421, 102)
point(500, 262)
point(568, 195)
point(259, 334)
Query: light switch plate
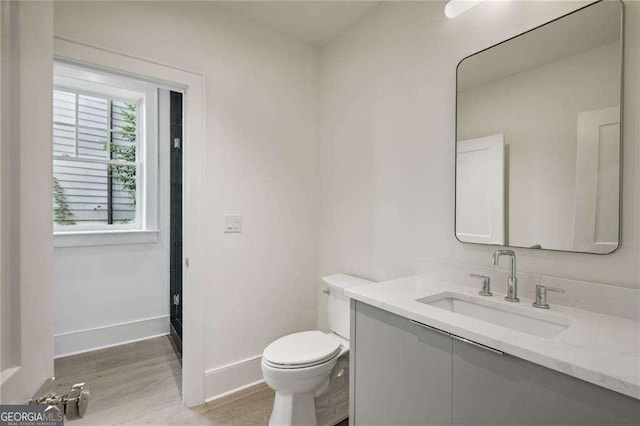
point(232, 223)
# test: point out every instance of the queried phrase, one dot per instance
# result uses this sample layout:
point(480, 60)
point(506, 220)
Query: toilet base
point(332, 405)
point(294, 409)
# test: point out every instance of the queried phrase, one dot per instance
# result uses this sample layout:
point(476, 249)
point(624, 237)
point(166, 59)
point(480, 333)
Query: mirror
point(538, 136)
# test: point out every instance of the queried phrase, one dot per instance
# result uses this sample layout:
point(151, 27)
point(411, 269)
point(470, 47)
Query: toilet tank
point(336, 303)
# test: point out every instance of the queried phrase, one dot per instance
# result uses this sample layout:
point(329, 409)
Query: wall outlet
point(232, 223)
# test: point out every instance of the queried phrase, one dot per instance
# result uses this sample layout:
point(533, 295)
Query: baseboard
point(234, 377)
point(231, 392)
point(76, 342)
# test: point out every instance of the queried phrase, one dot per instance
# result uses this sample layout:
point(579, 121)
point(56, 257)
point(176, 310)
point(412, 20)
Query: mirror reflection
point(538, 136)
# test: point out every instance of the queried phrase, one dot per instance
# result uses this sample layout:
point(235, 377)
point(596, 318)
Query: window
point(104, 153)
point(95, 168)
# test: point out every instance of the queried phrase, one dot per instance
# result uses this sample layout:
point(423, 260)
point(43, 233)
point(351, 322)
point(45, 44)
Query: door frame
point(193, 361)
point(26, 242)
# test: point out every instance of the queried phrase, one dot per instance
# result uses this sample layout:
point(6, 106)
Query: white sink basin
point(518, 318)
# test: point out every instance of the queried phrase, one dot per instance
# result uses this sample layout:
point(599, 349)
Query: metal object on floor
point(74, 403)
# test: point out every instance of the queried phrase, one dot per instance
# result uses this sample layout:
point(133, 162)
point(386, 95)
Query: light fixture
point(458, 7)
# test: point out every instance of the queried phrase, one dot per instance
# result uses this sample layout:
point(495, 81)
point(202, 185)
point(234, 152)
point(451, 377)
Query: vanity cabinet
point(500, 389)
point(403, 373)
point(393, 384)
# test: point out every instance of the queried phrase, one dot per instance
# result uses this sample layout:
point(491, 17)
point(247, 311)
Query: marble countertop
point(598, 348)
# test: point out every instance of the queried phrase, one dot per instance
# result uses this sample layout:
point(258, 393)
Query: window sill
point(104, 238)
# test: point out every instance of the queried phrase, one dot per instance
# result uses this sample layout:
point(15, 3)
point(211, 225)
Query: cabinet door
point(494, 389)
point(402, 371)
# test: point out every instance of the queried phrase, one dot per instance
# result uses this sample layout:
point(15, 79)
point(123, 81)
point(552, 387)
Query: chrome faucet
point(486, 284)
point(512, 283)
point(541, 296)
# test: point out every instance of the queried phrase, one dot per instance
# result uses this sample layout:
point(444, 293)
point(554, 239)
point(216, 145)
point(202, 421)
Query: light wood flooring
point(139, 383)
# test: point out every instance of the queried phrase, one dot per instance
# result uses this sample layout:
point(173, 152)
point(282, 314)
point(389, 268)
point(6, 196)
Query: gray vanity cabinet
point(403, 372)
point(499, 389)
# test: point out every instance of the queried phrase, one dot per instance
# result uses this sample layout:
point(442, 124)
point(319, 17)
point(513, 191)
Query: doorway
point(35, 361)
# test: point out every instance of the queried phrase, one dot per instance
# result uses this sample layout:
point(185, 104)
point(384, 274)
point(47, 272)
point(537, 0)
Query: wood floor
point(139, 383)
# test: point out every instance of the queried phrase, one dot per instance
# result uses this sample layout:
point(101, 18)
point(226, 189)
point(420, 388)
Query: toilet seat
point(302, 350)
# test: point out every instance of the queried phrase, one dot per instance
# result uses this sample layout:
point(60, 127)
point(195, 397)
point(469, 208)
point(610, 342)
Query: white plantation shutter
point(89, 132)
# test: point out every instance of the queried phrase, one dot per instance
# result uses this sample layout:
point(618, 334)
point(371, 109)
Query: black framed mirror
point(539, 136)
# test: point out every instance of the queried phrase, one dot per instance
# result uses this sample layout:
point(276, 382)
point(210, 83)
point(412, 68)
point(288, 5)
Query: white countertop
point(598, 348)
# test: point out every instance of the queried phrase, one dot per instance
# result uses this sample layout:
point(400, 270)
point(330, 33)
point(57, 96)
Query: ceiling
point(315, 22)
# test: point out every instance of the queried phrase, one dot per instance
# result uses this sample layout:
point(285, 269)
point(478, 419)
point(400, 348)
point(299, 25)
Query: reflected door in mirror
point(480, 194)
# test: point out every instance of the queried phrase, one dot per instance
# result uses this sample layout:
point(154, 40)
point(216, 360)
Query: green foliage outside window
point(126, 175)
point(61, 212)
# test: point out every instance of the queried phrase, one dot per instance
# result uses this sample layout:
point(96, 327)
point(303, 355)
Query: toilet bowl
point(309, 370)
point(298, 367)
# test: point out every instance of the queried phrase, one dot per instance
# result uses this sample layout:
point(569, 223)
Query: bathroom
point(326, 131)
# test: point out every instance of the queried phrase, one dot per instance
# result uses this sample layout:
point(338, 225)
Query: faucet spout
point(512, 284)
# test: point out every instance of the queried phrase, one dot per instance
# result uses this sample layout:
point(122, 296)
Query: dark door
point(176, 219)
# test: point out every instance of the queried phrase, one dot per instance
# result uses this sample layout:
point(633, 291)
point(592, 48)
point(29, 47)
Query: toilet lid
point(306, 348)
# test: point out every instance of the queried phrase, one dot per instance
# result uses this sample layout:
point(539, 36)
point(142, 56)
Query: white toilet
point(310, 370)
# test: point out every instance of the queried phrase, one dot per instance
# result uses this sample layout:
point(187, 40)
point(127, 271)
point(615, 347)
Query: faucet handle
point(541, 296)
point(486, 284)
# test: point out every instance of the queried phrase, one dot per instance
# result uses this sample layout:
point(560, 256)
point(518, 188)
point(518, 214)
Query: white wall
point(387, 117)
point(260, 160)
point(112, 294)
point(541, 136)
point(107, 295)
